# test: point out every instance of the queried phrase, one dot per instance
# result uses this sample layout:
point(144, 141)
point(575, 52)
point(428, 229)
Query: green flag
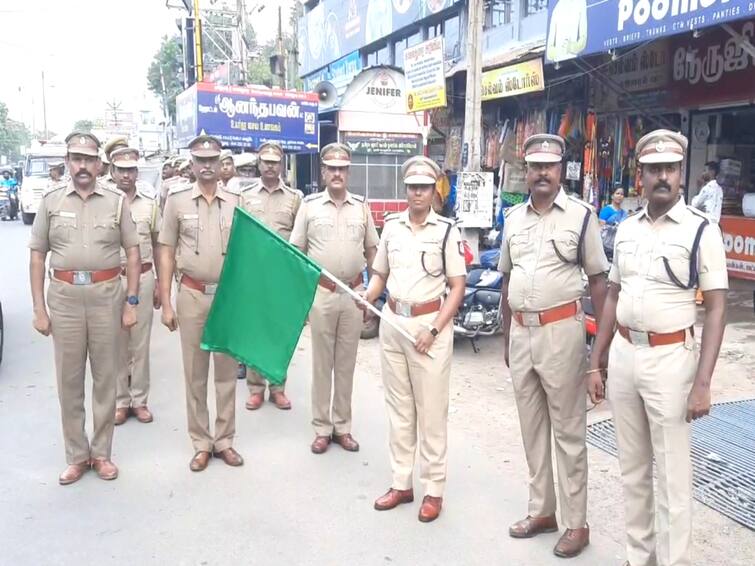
point(265, 292)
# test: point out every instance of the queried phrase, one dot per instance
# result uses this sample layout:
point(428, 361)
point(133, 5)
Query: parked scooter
point(479, 312)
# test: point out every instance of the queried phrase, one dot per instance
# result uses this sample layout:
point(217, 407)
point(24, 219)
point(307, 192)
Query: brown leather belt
point(86, 277)
point(547, 316)
point(145, 268)
point(414, 309)
point(652, 339)
point(191, 283)
point(330, 286)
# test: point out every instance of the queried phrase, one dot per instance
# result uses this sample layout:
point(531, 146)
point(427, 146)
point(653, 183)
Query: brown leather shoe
point(142, 414)
point(105, 469)
point(430, 509)
point(280, 400)
point(393, 498)
point(73, 473)
point(320, 444)
point(347, 442)
point(230, 457)
point(121, 415)
point(533, 526)
point(199, 461)
point(255, 401)
point(572, 542)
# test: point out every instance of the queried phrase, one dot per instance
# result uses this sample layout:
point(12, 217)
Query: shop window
point(498, 13)
point(376, 176)
point(434, 31)
point(398, 58)
point(534, 6)
point(451, 37)
point(358, 175)
point(384, 56)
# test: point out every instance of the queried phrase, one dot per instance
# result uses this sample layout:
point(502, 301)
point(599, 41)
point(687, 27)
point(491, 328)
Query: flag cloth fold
point(265, 291)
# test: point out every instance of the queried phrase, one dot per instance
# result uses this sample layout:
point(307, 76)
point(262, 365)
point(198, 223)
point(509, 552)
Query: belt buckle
point(404, 309)
point(82, 277)
point(210, 289)
point(639, 338)
point(531, 319)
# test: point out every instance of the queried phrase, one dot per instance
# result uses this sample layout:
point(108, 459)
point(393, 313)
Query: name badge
point(191, 216)
point(66, 214)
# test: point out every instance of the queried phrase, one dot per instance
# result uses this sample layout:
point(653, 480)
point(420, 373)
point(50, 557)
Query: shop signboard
point(370, 143)
point(334, 28)
point(739, 242)
point(425, 79)
point(339, 73)
point(474, 196)
point(248, 117)
point(714, 68)
point(583, 27)
point(513, 80)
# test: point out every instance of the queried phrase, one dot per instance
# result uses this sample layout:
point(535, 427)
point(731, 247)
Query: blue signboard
point(246, 117)
point(334, 28)
point(581, 27)
point(339, 73)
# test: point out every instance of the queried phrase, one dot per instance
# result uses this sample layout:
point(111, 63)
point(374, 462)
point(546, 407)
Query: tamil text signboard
point(513, 80)
point(425, 79)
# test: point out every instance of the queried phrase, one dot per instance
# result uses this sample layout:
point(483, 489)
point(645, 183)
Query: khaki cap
point(245, 160)
point(420, 170)
point(126, 157)
point(544, 148)
point(661, 146)
point(205, 146)
point(183, 166)
point(56, 164)
point(226, 154)
point(83, 143)
point(114, 143)
point(336, 155)
point(270, 151)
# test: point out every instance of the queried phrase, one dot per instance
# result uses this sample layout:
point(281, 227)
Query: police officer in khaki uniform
point(246, 167)
point(658, 379)
point(335, 228)
point(276, 205)
point(193, 238)
point(134, 374)
point(176, 179)
point(116, 142)
point(227, 168)
point(548, 241)
point(420, 256)
point(83, 225)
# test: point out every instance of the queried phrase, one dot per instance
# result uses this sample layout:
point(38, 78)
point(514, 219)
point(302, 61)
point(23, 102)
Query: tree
point(13, 135)
point(83, 126)
point(165, 73)
point(258, 69)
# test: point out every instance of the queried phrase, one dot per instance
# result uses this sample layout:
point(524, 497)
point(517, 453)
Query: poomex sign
point(582, 27)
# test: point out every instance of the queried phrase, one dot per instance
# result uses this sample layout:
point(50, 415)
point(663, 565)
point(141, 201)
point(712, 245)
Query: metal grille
point(723, 458)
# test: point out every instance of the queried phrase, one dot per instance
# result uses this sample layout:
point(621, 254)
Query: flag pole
point(372, 308)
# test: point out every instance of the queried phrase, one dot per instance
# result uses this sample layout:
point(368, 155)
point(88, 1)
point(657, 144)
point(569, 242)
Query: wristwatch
point(434, 331)
point(132, 300)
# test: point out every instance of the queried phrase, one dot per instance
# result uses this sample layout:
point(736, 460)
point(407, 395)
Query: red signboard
point(739, 242)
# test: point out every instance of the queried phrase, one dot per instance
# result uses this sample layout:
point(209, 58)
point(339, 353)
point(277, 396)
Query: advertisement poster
point(247, 117)
point(425, 78)
point(513, 80)
point(475, 194)
point(370, 143)
point(739, 243)
point(582, 27)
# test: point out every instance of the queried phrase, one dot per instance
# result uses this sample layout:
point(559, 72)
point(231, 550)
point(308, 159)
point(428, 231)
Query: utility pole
point(198, 55)
point(473, 108)
point(282, 51)
point(44, 107)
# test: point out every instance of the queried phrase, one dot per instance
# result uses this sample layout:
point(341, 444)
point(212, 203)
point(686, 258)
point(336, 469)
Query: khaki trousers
point(416, 398)
point(192, 308)
point(86, 323)
point(648, 389)
point(336, 324)
point(133, 374)
point(547, 371)
point(257, 383)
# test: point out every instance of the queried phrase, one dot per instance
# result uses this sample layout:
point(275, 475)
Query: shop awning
point(524, 51)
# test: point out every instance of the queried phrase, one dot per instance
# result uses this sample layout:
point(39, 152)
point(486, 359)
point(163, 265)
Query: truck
point(36, 176)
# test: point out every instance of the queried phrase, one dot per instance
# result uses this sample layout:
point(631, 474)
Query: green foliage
point(13, 135)
point(83, 126)
point(165, 74)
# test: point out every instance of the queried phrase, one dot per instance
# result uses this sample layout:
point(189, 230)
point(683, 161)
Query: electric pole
point(198, 55)
point(44, 107)
point(473, 108)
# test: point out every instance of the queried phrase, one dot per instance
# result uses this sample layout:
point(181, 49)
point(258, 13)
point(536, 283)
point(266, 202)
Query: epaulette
point(359, 198)
point(445, 220)
point(179, 188)
point(146, 190)
point(234, 190)
point(55, 187)
point(509, 209)
point(253, 184)
point(109, 187)
point(391, 216)
point(697, 212)
point(313, 196)
point(587, 205)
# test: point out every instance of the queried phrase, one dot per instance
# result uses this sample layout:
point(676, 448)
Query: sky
point(91, 52)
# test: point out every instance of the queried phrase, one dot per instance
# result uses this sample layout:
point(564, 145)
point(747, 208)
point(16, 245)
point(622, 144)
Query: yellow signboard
point(513, 80)
point(425, 79)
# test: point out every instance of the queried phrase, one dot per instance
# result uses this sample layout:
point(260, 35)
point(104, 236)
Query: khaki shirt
point(146, 214)
point(413, 258)
point(277, 209)
point(335, 236)
point(649, 300)
point(539, 279)
point(83, 235)
point(199, 231)
point(168, 184)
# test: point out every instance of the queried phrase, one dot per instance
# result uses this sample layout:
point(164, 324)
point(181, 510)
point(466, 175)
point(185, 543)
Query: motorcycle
point(8, 204)
point(479, 313)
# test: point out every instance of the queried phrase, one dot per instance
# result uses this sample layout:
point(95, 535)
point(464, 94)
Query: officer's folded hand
point(596, 387)
point(698, 402)
point(169, 317)
point(423, 341)
point(128, 319)
point(360, 305)
point(42, 323)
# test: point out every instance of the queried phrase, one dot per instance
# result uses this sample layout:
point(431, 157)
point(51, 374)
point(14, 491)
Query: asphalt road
point(284, 506)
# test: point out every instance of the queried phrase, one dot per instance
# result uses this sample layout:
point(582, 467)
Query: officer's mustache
point(662, 185)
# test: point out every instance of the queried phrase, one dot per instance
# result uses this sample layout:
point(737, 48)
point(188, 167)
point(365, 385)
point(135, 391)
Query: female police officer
point(420, 256)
